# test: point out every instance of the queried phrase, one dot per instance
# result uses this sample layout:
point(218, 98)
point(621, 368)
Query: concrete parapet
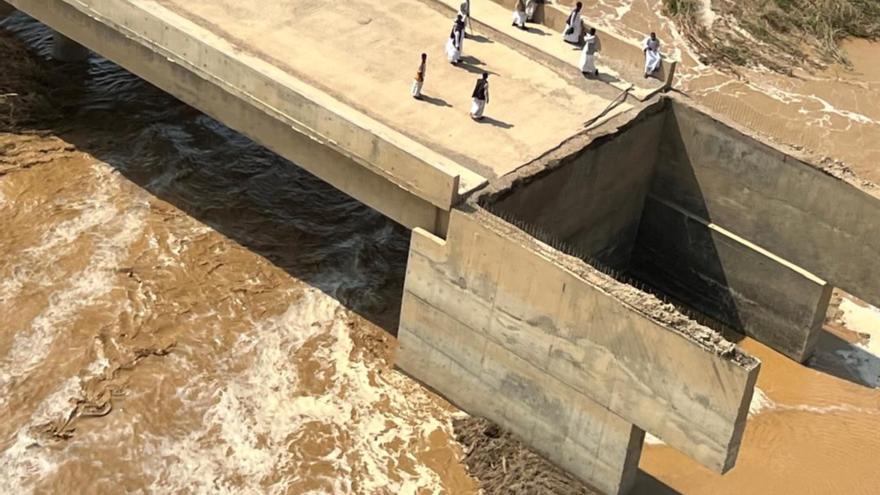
point(489, 297)
point(730, 279)
point(65, 49)
point(780, 203)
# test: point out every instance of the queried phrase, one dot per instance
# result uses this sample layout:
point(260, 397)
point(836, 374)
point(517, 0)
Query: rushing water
point(181, 310)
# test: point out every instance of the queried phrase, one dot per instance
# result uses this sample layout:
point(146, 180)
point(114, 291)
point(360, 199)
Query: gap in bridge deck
point(632, 204)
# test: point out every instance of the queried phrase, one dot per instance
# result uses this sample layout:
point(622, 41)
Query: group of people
point(454, 51)
point(591, 45)
point(523, 12)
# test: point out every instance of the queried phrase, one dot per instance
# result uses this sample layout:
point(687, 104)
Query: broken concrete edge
point(410, 165)
point(806, 157)
point(568, 150)
point(644, 303)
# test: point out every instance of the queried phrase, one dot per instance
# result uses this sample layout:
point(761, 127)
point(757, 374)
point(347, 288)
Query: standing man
point(572, 33)
point(480, 97)
point(420, 78)
point(651, 47)
point(464, 10)
point(588, 53)
point(519, 14)
point(455, 42)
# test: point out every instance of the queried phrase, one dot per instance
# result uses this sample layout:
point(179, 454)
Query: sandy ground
point(366, 53)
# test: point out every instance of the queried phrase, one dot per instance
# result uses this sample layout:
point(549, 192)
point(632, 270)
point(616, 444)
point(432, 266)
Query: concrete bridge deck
point(338, 75)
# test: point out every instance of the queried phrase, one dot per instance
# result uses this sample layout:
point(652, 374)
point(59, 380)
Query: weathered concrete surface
point(552, 417)
point(484, 285)
point(370, 68)
point(65, 49)
point(592, 200)
point(730, 279)
point(788, 207)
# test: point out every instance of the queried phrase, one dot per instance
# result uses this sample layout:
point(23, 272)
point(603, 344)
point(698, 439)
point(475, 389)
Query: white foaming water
point(26, 461)
point(864, 358)
point(760, 402)
point(255, 417)
point(112, 235)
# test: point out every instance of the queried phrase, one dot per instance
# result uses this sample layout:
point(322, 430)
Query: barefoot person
point(589, 52)
point(572, 33)
point(480, 97)
point(455, 42)
point(519, 14)
point(651, 47)
point(419, 80)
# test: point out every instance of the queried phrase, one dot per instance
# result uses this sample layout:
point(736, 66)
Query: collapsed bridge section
point(543, 309)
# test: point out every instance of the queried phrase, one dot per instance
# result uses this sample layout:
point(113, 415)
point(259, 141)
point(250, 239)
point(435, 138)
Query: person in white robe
point(480, 97)
point(519, 14)
point(573, 25)
point(455, 42)
point(589, 52)
point(651, 47)
point(419, 80)
point(531, 7)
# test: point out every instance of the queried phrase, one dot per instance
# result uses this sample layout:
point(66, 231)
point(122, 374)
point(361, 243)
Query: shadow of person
point(536, 31)
point(433, 100)
point(494, 122)
point(479, 38)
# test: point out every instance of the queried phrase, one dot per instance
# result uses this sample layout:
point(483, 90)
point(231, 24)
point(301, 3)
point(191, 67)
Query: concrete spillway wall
point(709, 217)
point(576, 363)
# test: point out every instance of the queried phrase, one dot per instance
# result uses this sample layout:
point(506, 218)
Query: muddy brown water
point(183, 311)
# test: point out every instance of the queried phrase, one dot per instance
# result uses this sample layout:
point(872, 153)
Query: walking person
point(531, 6)
point(519, 14)
point(455, 43)
point(651, 47)
point(589, 52)
point(573, 25)
point(480, 97)
point(419, 80)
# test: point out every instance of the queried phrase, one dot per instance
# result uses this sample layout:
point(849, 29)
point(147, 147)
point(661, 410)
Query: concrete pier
point(65, 49)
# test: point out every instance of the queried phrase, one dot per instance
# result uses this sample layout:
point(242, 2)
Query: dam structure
point(581, 262)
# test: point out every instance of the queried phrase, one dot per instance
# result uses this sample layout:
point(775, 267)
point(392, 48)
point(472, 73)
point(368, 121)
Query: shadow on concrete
point(433, 100)
point(647, 484)
point(535, 31)
point(494, 122)
point(479, 38)
point(837, 357)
